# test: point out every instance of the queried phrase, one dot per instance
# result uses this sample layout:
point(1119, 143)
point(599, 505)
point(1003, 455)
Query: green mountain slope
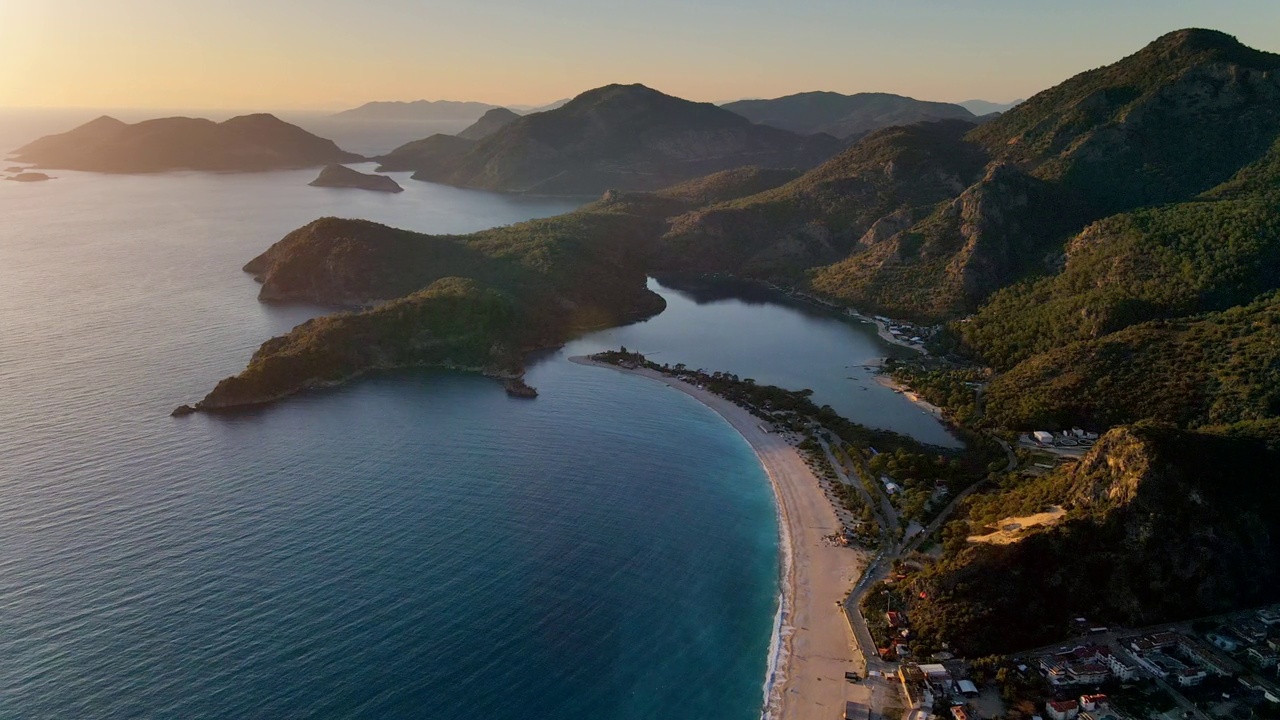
point(1213, 369)
point(1173, 120)
point(856, 199)
point(1165, 262)
point(1166, 124)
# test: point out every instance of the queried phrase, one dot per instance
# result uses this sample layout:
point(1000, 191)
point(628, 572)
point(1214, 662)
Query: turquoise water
point(415, 545)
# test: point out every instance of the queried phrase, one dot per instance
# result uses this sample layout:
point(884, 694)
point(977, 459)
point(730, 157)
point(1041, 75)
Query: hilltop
point(626, 137)
point(241, 144)
point(489, 123)
point(844, 116)
point(1164, 524)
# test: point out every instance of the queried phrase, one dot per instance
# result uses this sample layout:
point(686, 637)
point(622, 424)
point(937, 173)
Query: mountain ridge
point(626, 137)
point(244, 143)
point(844, 116)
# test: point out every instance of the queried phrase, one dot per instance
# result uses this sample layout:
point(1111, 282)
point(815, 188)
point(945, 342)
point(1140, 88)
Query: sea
point(411, 545)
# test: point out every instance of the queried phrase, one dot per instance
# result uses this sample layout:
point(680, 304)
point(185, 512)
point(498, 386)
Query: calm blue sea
point(416, 545)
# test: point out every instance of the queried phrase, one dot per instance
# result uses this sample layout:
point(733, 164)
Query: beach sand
point(818, 647)
point(911, 395)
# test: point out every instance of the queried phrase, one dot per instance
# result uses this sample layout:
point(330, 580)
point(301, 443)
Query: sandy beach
point(911, 395)
point(817, 645)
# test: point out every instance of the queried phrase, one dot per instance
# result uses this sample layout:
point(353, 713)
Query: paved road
point(887, 513)
point(1011, 463)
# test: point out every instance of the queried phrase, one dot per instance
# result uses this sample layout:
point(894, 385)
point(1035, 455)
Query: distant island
point(29, 177)
point(426, 111)
point(341, 176)
point(986, 107)
point(624, 137)
point(247, 143)
point(844, 116)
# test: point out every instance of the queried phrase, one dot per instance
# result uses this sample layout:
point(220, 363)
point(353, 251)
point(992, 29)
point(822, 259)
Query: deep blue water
point(415, 545)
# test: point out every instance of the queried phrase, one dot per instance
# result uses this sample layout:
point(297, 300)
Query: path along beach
point(816, 645)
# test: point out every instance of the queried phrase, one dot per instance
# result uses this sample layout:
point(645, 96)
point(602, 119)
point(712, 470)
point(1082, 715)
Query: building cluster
point(1253, 639)
point(1075, 437)
point(1178, 658)
point(1086, 707)
point(1085, 665)
point(899, 636)
point(926, 685)
point(905, 331)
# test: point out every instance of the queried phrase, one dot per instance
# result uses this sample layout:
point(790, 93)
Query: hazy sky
point(300, 54)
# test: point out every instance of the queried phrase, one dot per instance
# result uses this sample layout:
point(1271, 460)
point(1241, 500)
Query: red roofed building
point(1062, 709)
point(1090, 703)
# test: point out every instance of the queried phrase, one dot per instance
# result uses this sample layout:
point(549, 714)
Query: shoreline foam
point(812, 645)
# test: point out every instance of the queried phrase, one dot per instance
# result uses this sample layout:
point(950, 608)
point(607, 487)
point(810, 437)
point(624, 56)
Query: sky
point(332, 54)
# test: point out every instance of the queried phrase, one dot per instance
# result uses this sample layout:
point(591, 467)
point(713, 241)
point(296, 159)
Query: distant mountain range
point(433, 111)
point(626, 137)
point(417, 111)
point(244, 143)
point(844, 116)
point(985, 107)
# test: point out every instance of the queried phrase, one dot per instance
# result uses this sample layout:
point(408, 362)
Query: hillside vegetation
point(1161, 524)
point(1213, 369)
point(1166, 124)
point(856, 199)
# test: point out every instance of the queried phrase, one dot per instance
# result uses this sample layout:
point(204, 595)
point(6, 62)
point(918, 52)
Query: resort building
point(1062, 709)
point(1091, 703)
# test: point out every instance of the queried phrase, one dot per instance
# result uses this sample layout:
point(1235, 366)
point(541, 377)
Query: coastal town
point(1215, 668)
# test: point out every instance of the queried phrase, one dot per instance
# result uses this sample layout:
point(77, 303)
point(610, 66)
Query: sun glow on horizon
point(273, 54)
